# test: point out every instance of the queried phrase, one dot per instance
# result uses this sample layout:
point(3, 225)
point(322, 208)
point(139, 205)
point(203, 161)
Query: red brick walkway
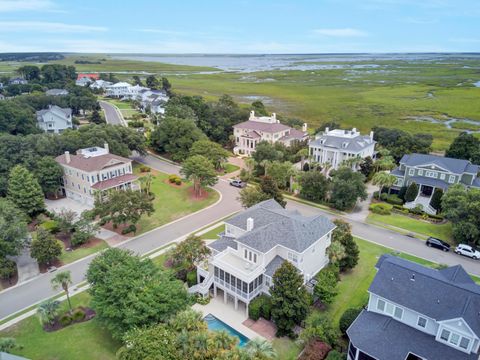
point(262, 327)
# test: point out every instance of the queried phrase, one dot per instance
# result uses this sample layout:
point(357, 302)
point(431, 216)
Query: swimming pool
point(215, 324)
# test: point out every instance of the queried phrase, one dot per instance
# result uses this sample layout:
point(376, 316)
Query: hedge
point(381, 209)
point(192, 278)
point(261, 306)
point(347, 319)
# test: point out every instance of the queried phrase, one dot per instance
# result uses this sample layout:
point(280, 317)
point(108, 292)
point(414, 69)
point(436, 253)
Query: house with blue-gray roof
point(432, 172)
point(417, 313)
point(255, 244)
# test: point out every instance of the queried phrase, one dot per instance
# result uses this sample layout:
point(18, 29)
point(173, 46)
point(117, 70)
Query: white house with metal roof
point(54, 119)
point(264, 128)
point(417, 313)
point(336, 146)
point(430, 172)
point(255, 244)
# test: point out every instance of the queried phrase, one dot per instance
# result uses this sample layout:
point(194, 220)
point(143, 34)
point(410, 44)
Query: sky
point(240, 26)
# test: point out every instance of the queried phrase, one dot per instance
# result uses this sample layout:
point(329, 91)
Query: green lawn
point(171, 202)
point(286, 349)
point(441, 231)
point(71, 256)
point(77, 342)
point(229, 168)
point(213, 234)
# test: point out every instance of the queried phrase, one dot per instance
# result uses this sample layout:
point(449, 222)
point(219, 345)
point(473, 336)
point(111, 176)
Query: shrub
point(144, 169)
point(51, 226)
point(398, 207)
point(394, 199)
point(266, 310)
point(135, 124)
point(384, 196)
point(7, 268)
point(347, 319)
point(375, 194)
point(436, 217)
point(78, 315)
point(130, 228)
point(381, 209)
point(335, 355)
point(315, 350)
point(79, 238)
point(178, 181)
point(199, 299)
point(411, 192)
point(65, 320)
point(417, 210)
point(192, 278)
point(254, 308)
point(172, 178)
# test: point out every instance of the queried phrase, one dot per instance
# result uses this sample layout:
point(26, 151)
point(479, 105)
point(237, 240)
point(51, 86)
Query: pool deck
point(228, 314)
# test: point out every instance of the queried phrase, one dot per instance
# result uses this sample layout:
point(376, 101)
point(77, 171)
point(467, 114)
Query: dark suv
point(437, 243)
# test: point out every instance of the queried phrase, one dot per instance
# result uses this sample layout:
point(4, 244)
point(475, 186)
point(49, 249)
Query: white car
point(467, 250)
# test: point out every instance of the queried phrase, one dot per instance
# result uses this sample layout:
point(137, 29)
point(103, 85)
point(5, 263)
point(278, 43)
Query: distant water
point(252, 63)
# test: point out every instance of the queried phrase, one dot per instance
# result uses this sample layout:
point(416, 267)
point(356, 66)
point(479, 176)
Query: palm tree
point(326, 168)
point(383, 179)
point(224, 341)
point(47, 311)
point(146, 182)
point(64, 280)
point(260, 348)
point(336, 252)
point(303, 153)
point(265, 164)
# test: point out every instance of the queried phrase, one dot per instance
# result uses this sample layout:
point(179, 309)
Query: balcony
point(229, 261)
point(243, 295)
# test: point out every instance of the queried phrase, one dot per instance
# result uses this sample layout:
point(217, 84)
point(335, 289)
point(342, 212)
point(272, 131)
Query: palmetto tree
point(260, 349)
point(265, 164)
point(303, 153)
point(146, 182)
point(326, 168)
point(224, 341)
point(47, 311)
point(64, 280)
point(383, 179)
point(336, 252)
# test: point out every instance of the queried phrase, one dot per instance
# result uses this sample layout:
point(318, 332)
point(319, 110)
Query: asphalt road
point(111, 114)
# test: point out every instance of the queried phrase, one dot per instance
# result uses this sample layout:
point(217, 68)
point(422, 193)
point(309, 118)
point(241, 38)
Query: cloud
point(345, 32)
point(161, 31)
point(25, 5)
point(49, 27)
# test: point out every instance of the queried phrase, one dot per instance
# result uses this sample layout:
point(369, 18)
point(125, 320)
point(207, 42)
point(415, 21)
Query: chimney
point(105, 146)
point(249, 224)
point(326, 130)
point(371, 135)
point(252, 114)
point(304, 127)
point(67, 157)
point(274, 117)
point(354, 130)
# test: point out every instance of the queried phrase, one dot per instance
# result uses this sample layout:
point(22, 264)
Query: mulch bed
point(89, 315)
point(204, 195)
point(166, 181)
point(44, 267)
point(118, 230)
point(6, 283)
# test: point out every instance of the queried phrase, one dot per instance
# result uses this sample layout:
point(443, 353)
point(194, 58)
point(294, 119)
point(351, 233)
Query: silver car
point(467, 250)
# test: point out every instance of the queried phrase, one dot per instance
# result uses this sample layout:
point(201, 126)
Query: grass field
point(70, 256)
point(229, 168)
point(441, 231)
point(213, 234)
point(171, 202)
point(77, 342)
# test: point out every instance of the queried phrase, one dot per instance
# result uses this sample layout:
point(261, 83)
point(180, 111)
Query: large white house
point(95, 169)
point(255, 244)
point(120, 89)
point(264, 128)
point(417, 313)
point(336, 146)
point(54, 119)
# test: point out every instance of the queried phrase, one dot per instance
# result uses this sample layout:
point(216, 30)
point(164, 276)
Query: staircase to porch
point(424, 201)
point(203, 287)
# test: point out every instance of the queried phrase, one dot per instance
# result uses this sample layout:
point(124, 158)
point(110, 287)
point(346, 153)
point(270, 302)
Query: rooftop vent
point(413, 277)
point(249, 224)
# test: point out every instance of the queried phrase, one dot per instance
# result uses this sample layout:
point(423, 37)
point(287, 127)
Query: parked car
point(438, 244)
point(237, 183)
point(467, 250)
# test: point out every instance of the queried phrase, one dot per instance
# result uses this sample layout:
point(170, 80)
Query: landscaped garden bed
point(77, 315)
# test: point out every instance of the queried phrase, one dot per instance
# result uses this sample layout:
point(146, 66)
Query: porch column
point(198, 278)
point(224, 296)
point(246, 308)
point(236, 303)
point(214, 290)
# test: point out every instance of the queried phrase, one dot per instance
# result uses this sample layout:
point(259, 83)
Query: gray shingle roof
point(55, 108)
point(222, 243)
point(398, 172)
point(273, 265)
point(430, 182)
point(356, 144)
point(260, 126)
point(273, 225)
point(384, 338)
point(439, 294)
point(457, 166)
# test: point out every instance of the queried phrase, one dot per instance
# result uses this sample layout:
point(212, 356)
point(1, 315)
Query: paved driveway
point(112, 114)
point(66, 203)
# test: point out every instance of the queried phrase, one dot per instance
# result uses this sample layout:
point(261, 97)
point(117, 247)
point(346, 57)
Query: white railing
point(234, 289)
point(203, 287)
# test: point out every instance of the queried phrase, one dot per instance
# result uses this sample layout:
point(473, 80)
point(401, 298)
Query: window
point(250, 255)
point(454, 339)
point(451, 179)
point(422, 322)
point(445, 335)
point(420, 172)
point(398, 312)
point(464, 343)
point(411, 172)
point(245, 254)
point(380, 305)
point(389, 309)
point(442, 176)
point(431, 174)
point(254, 258)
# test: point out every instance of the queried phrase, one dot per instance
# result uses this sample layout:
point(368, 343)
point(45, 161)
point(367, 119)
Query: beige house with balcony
point(255, 244)
point(95, 169)
point(264, 128)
